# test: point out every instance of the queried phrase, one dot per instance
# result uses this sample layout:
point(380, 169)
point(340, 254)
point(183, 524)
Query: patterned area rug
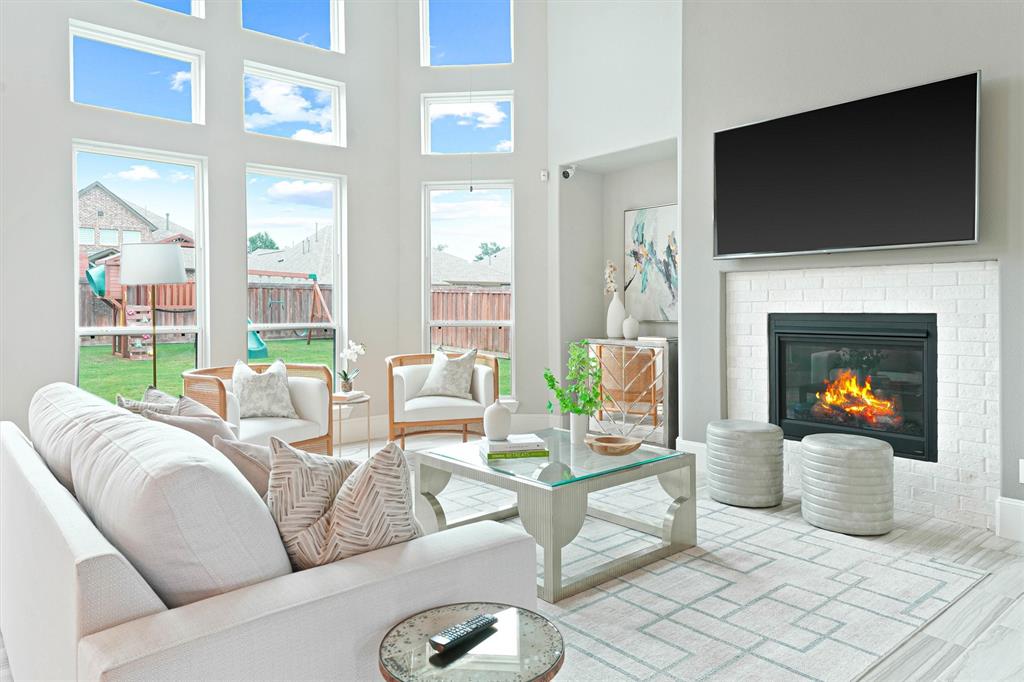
point(764, 596)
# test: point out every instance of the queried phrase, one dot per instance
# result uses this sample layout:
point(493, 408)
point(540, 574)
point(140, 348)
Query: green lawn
point(102, 373)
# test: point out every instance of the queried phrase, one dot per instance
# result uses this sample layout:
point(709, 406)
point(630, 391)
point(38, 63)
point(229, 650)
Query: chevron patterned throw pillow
point(331, 508)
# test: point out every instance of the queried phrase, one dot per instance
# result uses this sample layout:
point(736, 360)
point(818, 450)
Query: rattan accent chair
point(410, 415)
point(212, 387)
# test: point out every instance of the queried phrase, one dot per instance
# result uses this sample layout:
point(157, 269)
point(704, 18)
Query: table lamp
point(149, 265)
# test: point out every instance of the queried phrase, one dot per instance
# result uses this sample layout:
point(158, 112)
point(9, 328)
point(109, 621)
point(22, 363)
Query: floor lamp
point(149, 265)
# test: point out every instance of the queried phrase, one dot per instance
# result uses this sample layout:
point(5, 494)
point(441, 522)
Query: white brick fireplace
point(964, 484)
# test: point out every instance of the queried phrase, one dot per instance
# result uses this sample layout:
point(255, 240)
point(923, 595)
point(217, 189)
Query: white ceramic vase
point(497, 421)
point(616, 315)
point(630, 328)
point(578, 424)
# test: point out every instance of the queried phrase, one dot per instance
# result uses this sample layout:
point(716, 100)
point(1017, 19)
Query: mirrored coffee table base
point(554, 514)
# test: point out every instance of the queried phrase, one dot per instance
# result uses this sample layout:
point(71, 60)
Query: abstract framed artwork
point(651, 271)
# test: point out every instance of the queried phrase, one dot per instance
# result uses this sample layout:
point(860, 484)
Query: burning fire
point(846, 394)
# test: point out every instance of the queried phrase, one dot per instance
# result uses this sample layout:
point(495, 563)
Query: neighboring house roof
point(161, 225)
point(311, 255)
point(447, 268)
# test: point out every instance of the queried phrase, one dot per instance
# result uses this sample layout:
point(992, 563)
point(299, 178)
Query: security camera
point(568, 172)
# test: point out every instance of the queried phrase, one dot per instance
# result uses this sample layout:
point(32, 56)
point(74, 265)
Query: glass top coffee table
point(552, 499)
point(521, 646)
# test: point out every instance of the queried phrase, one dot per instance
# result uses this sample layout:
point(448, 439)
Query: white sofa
point(409, 413)
point(73, 606)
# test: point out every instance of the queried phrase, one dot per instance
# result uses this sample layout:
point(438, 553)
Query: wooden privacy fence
point(467, 303)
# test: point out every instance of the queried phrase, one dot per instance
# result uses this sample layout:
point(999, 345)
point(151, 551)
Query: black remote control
point(454, 635)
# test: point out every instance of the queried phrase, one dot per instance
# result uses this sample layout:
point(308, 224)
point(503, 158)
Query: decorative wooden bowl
point(612, 445)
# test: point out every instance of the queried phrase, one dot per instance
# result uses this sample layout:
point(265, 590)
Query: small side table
point(523, 645)
point(365, 400)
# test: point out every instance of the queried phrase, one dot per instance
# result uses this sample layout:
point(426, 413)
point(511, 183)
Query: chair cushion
point(263, 394)
point(434, 408)
point(180, 512)
point(258, 430)
point(331, 508)
point(450, 376)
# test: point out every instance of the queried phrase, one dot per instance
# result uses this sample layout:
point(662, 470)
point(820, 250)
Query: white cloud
point(479, 114)
point(179, 176)
point(303, 37)
point(302, 192)
point(139, 172)
point(503, 146)
point(307, 135)
point(179, 79)
point(283, 103)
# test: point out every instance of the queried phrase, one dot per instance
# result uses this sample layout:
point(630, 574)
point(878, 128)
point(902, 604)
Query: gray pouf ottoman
point(745, 463)
point(847, 483)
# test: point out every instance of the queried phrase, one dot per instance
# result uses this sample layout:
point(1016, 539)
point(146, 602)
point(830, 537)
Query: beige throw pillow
point(204, 427)
point(450, 376)
point(252, 460)
point(153, 399)
point(331, 508)
point(187, 407)
point(262, 395)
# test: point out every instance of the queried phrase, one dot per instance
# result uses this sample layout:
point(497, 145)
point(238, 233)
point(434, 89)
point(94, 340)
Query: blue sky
point(121, 78)
point(285, 110)
point(183, 6)
point(459, 127)
point(159, 187)
point(461, 220)
point(470, 32)
point(304, 21)
point(288, 209)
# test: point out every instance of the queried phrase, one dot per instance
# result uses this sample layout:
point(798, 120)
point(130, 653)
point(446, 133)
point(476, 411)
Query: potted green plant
point(580, 396)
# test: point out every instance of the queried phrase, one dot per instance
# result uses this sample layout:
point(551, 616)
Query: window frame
point(133, 41)
point(199, 168)
point(425, 40)
point(426, 322)
point(339, 292)
point(336, 28)
point(339, 124)
point(428, 98)
point(197, 9)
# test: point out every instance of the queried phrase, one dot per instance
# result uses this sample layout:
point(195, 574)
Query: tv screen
point(888, 171)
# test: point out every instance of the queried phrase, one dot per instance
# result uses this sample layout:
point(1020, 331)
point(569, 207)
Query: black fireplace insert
point(867, 374)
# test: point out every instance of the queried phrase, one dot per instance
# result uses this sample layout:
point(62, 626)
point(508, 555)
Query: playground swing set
point(105, 282)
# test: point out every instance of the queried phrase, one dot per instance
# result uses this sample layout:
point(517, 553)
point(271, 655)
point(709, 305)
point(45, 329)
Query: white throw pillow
point(262, 395)
point(179, 511)
point(250, 459)
point(331, 508)
point(450, 377)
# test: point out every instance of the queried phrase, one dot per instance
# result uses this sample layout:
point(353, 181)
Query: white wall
point(649, 184)
point(747, 61)
point(39, 123)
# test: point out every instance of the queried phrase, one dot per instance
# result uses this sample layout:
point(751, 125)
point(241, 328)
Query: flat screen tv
point(890, 171)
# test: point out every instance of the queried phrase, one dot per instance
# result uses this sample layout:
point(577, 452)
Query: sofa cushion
point(204, 427)
point(258, 430)
point(263, 394)
point(178, 509)
point(331, 508)
point(437, 407)
point(450, 376)
point(252, 460)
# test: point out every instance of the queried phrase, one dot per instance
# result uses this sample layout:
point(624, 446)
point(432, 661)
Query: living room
point(420, 207)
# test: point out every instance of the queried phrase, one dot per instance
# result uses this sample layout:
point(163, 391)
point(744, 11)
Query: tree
point(261, 240)
point(440, 247)
point(488, 250)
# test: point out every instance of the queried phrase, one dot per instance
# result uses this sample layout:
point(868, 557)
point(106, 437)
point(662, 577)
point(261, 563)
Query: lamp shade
point(152, 264)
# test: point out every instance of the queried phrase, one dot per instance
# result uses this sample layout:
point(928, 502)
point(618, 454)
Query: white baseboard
point(1010, 518)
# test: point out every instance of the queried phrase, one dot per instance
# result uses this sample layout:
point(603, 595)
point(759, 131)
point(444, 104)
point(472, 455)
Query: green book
point(517, 455)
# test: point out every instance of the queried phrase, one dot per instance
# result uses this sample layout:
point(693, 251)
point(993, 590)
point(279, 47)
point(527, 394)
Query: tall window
point(134, 196)
point(469, 278)
point(293, 253)
point(319, 23)
point(465, 32)
point(196, 8)
point(136, 74)
point(297, 106)
point(467, 123)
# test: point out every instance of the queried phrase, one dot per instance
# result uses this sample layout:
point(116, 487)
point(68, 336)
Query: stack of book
point(517, 445)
